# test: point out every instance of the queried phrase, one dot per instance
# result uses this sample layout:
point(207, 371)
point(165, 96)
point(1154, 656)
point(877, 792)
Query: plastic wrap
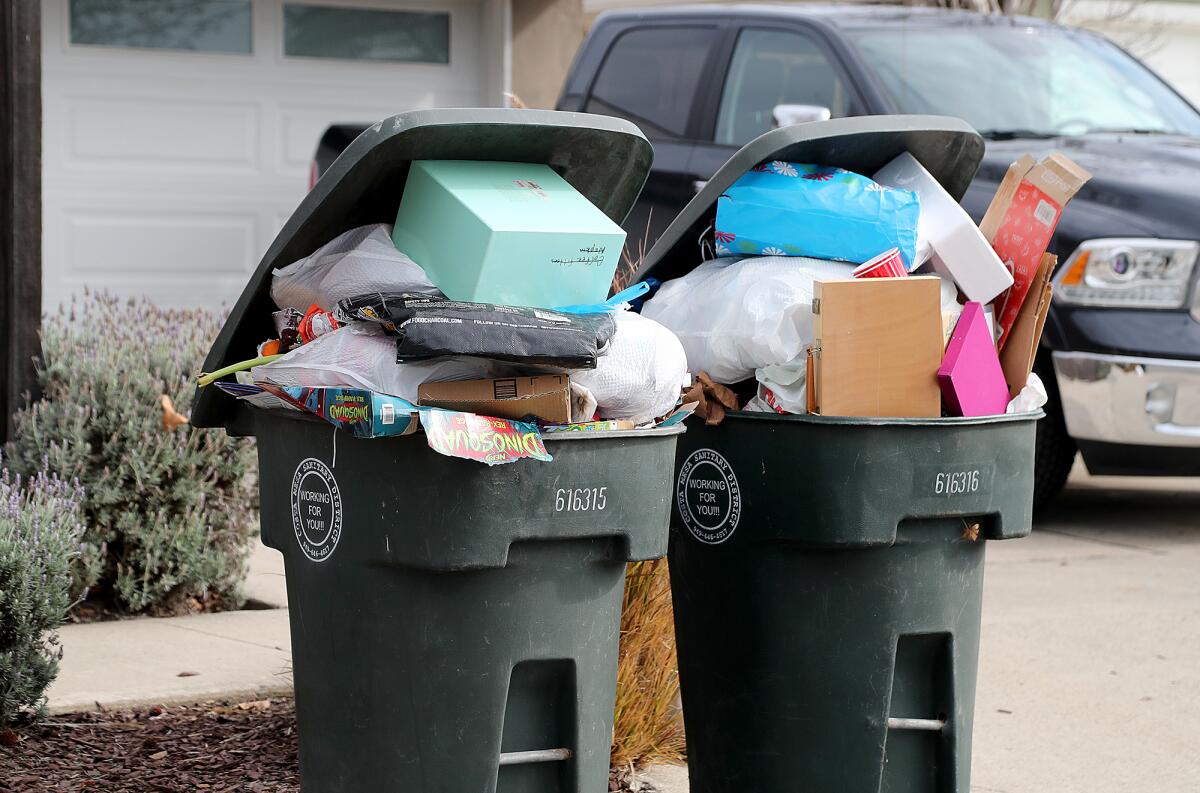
point(363, 356)
point(363, 259)
point(791, 209)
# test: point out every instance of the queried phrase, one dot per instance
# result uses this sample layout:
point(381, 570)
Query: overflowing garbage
point(827, 292)
point(844, 294)
point(369, 339)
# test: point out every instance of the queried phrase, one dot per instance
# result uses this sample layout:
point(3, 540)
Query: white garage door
point(177, 134)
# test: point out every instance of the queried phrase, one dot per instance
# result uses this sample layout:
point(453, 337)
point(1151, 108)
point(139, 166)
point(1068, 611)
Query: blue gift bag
point(788, 209)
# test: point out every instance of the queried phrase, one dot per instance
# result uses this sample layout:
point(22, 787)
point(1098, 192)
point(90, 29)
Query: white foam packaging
point(946, 234)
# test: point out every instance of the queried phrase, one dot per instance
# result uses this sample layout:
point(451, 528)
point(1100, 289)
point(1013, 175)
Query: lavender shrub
point(168, 512)
point(41, 524)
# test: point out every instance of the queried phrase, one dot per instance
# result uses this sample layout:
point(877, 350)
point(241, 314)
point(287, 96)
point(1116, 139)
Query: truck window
point(769, 68)
point(650, 77)
point(1038, 81)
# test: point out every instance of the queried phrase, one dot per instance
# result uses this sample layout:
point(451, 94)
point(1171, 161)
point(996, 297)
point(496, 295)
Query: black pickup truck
point(1121, 351)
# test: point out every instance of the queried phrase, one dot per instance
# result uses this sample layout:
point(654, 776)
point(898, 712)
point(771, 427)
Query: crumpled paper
point(1032, 396)
point(713, 399)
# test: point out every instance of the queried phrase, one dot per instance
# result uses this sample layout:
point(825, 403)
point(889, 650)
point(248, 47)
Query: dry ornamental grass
point(646, 726)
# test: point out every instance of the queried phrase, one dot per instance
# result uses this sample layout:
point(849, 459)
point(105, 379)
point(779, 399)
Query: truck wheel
point(1055, 449)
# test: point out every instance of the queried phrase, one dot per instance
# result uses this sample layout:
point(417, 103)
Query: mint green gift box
point(506, 232)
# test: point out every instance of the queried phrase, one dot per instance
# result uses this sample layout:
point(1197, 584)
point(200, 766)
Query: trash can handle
point(929, 725)
point(534, 756)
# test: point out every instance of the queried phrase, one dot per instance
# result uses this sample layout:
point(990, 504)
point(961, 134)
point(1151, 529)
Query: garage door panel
point(153, 133)
point(301, 126)
point(189, 244)
point(214, 292)
point(169, 172)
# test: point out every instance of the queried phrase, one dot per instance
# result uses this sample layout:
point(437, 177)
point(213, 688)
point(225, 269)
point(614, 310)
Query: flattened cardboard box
point(1019, 353)
point(546, 396)
point(878, 346)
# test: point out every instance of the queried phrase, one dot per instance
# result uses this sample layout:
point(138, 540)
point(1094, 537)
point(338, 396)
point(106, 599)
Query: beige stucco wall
point(545, 36)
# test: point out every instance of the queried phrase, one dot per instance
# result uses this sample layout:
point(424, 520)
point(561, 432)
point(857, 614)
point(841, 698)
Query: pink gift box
point(970, 376)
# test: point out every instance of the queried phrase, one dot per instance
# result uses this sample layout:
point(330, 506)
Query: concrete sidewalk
point(1089, 671)
point(182, 659)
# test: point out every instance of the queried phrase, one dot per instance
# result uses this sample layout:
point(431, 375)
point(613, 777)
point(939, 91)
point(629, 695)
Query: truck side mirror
point(787, 115)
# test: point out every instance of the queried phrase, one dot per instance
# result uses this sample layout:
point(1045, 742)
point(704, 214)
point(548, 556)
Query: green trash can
point(454, 627)
point(827, 572)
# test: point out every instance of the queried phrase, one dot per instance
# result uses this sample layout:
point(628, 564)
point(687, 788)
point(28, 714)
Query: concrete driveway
point(1090, 659)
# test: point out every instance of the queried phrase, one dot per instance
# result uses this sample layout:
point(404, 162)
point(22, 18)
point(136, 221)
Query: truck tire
point(1055, 450)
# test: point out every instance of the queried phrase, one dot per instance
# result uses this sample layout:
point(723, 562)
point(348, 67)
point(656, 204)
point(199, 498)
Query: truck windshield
point(1010, 82)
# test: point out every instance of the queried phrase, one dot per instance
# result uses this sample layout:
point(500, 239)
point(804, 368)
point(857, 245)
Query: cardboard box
point(547, 397)
point(1021, 220)
point(958, 250)
point(1019, 353)
point(970, 376)
point(877, 347)
point(504, 232)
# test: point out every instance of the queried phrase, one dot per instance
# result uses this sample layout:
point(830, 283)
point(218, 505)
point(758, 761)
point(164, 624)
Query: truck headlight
point(1128, 273)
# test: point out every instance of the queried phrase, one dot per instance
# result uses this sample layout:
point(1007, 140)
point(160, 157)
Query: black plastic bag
point(430, 327)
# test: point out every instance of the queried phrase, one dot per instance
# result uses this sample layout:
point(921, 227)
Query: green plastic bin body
point(454, 626)
point(827, 577)
point(461, 615)
point(827, 572)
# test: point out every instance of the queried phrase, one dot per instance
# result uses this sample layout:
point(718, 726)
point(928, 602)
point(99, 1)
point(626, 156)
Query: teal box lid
point(506, 232)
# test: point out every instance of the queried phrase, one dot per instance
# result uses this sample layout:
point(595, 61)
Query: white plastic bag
point(640, 376)
point(361, 356)
point(757, 405)
point(737, 315)
point(358, 261)
point(782, 387)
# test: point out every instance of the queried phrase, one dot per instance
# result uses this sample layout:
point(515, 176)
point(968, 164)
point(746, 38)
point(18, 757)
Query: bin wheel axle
point(929, 725)
point(535, 756)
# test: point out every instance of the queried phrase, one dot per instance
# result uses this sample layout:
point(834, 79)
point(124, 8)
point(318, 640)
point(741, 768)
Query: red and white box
point(1021, 220)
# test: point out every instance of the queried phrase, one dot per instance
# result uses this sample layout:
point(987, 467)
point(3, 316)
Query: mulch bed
point(101, 605)
point(218, 746)
point(248, 746)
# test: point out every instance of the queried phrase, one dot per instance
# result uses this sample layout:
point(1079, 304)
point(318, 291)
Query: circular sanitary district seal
point(316, 509)
point(708, 497)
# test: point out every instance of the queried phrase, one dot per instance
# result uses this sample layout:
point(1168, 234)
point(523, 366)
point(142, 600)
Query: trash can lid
point(948, 148)
point(606, 159)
